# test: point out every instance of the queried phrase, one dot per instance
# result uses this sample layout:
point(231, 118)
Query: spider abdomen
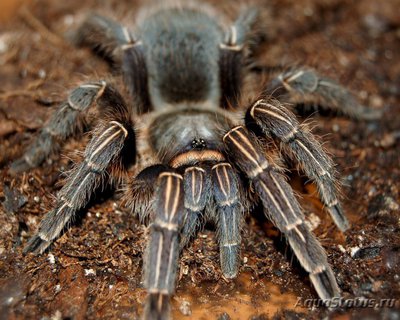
point(182, 51)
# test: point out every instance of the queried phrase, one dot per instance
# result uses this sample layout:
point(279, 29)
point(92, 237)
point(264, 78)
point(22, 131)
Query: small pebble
point(185, 309)
point(224, 316)
point(353, 251)
point(335, 128)
point(278, 273)
point(376, 286)
point(367, 253)
point(5, 41)
point(366, 286)
point(51, 258)
point(313, 221)
point(363, 94)
point(13, 199)
point(185, 270)
point(90, 272)
point(372, 191)
point(375, 24)
point(57, 289)
point(391, 259)
point(57, 315)
point(69, 19)
point(388, 140)
point(308, 11)
point(376, 101)
point(391, 204)
point(42, 74)
point(36, 199)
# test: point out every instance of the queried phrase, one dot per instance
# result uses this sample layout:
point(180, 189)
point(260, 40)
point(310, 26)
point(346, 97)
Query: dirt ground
point(94, 270)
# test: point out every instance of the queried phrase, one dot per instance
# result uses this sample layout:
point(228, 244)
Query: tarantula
point(195, 151)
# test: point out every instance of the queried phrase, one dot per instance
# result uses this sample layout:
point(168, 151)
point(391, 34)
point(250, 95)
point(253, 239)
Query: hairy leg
point(282, 208)
point(161, 262)
point(104, 151)
point(305, 86)
point(104, 36)
point(228, 216)
point(197, 186)
point(115, 43)
point(277, 121)
point(67, 120)
point(241, 38)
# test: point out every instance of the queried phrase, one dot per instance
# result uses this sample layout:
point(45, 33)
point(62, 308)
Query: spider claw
point(325, 284)
point(230, 262)
point(157, 307)
point(36, 245)
point(339, 218)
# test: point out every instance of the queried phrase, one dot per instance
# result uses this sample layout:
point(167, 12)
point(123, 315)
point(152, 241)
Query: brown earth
point(94, 270)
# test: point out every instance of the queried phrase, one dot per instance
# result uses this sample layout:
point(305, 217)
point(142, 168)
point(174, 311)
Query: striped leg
point(282, 208)
point(197, 187)
point(276, 120)
point(241, 38)
point(66, 121)
point(139, 192)
point(117, 45)
point(228, 217)
point(304, 86)
point(105, 36)
point(103, 151)
point(163, 249)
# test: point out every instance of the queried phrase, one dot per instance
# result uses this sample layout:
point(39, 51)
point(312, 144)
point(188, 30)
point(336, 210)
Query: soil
point(94, 270)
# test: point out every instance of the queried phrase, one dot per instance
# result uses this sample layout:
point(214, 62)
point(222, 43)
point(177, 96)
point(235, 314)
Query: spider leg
point(139, 192)
point(65, 121)
point(163, 247)
point(241, 38)
point(197, 187)
point(104, 36)
point(228, 217)
point(105, 151)
point(282, 208)
point(305, 86)
point(276, 120)
point(115, 43)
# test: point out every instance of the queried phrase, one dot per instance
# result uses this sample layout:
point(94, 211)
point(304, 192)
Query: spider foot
point(36, 245)
point(157, 307)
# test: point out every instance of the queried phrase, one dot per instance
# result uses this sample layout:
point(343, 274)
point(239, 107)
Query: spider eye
point(199, 143)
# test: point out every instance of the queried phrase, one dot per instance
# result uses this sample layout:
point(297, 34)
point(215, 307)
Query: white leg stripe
point(158, 263)
point(121, 126)
point(295, 76)
point(284, 196)
point(104, 144)
point(323, 171)
point(170, 262)
point(274, 202)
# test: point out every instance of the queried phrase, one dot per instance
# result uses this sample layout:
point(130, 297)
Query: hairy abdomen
point(181, 48)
